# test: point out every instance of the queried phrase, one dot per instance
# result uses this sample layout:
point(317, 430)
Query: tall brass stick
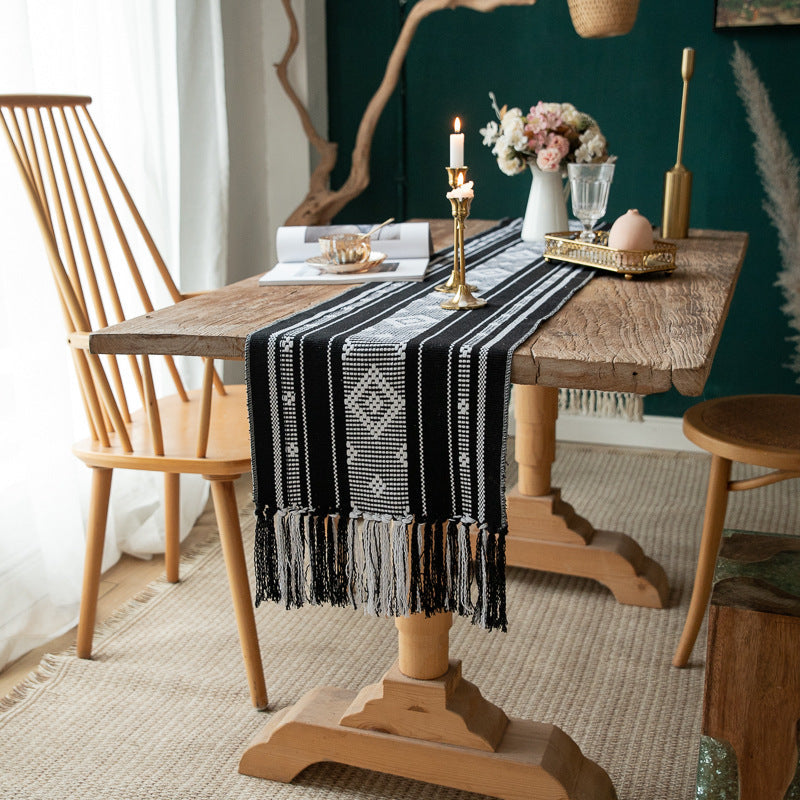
point(462, 297)
point(454, 174)
point(678, 180)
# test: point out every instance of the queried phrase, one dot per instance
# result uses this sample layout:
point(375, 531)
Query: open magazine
point(406, 245)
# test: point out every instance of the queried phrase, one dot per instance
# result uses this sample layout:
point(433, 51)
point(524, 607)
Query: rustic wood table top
point(643, 335)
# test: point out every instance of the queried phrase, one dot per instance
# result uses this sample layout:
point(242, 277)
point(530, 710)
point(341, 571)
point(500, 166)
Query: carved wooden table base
point(545, 533)
point(424, 721)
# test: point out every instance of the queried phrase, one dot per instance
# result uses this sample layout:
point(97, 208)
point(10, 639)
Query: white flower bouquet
point(549, 136)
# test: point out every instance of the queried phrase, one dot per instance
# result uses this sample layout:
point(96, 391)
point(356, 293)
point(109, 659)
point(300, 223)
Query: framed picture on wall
point(755, 13)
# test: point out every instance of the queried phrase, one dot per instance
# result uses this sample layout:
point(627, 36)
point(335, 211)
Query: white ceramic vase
point(547, 205)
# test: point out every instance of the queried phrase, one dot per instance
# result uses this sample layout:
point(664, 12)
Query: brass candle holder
point(455, 177)
point(462, 297)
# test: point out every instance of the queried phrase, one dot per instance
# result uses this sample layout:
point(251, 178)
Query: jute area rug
point(162, 712)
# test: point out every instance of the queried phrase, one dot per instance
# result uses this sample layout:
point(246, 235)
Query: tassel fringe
point(386, 566)
point(591, 403)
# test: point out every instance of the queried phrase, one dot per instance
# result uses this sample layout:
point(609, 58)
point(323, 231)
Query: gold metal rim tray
point(569, 247)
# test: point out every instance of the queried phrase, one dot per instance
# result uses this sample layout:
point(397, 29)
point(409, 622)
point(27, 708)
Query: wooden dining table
point(423, 720)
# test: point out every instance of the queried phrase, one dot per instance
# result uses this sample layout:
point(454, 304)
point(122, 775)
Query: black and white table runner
point(378, 424)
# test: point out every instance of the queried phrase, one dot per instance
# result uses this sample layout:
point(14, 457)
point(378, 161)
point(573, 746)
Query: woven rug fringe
point(50, 665)
point(47, 668)
point(386, 566)
point(591, 403)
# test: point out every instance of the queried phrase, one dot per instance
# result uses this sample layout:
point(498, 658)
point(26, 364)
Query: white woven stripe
point(304, 389)
point(421, 444)
point(334, 439)
point(275, 416)
point(290, 443)
point(464, 379)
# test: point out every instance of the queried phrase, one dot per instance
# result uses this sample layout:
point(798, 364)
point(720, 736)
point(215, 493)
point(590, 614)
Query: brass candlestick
point(678, 180)
point(463, 297)
point(455, 177)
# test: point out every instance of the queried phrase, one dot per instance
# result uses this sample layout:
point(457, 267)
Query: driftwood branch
point(327, 150)
point(322, 203)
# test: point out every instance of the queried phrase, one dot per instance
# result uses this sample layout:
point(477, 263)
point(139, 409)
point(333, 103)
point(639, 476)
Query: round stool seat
point(759, 429)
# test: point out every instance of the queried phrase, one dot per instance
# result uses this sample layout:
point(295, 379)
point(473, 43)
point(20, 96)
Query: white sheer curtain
point(159, 114)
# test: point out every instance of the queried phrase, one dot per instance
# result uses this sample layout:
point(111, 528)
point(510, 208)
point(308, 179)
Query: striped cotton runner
point(378, 424)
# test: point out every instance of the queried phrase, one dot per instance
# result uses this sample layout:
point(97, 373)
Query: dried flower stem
point(780, 174)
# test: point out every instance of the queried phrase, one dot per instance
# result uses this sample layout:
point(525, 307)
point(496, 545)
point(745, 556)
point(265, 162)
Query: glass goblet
point(589, 185)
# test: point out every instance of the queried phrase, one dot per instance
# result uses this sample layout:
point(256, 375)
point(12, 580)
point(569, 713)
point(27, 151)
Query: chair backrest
point(89, 223)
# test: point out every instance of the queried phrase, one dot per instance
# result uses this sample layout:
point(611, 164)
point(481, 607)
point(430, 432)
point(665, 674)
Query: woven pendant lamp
point(596, 19)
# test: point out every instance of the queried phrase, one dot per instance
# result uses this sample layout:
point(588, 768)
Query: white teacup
point(345, 248)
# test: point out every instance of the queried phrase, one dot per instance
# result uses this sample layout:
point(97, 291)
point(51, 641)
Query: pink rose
point(560, 143)
point(544, 116)
point(548, 159)
point(536, 141)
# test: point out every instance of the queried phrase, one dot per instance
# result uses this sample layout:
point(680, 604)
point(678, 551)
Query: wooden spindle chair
point(106, 268)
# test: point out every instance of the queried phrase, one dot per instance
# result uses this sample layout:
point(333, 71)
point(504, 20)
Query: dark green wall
point(630, 84)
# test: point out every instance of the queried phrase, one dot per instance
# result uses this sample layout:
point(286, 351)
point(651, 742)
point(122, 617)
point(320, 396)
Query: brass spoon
point(376, 228)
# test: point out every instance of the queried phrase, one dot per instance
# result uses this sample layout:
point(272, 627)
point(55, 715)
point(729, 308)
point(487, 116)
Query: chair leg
point(716, 506)
point(230, 533)
point(172, 525)
point(95, 539)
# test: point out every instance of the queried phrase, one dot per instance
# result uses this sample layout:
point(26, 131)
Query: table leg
point(424, 721)
point(545, 532)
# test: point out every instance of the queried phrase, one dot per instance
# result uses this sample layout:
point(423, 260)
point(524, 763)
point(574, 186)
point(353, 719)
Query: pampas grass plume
point(780, 174)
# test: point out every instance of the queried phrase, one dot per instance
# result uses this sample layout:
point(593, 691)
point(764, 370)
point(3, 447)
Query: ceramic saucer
point(322, 263)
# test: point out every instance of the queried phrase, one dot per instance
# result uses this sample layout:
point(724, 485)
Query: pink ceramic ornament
point(631, 231)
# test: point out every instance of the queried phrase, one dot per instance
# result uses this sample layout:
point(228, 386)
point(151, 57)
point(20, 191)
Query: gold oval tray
point(569, 247)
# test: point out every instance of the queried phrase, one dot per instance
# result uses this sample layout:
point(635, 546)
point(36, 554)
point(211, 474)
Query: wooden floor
point(122, 582)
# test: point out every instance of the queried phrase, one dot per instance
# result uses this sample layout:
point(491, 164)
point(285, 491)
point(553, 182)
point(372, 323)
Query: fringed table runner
point(378, 424)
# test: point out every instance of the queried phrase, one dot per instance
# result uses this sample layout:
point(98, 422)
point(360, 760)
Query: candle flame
point(460, 179)
point(457, 125)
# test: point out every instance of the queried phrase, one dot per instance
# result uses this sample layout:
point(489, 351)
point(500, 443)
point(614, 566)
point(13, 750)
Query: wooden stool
point(763, 430)
point(751, 704)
